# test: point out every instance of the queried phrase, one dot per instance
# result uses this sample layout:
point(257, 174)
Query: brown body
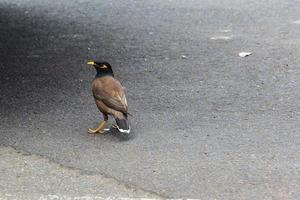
point(110, 97)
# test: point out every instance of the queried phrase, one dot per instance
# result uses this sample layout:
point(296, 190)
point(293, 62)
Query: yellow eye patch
point(103, 66)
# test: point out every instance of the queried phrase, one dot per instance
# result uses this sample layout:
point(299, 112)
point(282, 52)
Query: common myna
point(110, 98)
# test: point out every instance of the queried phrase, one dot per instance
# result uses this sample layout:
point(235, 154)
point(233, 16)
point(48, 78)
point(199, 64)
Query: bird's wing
point(113, 97)
point(115, 102)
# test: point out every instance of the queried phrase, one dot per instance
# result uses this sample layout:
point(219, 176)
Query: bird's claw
point(94, 131)
point(99, 129)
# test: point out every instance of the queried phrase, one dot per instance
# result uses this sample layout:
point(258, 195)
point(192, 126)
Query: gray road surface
point(211, 126)
point(29, 177)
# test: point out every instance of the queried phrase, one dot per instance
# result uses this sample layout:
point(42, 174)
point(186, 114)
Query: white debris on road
point(245, 54)
point(184, 57)
point(296, 22)
point(225, 31)
point(221, 38)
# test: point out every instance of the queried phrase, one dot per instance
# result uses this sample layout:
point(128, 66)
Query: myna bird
point(110, 98)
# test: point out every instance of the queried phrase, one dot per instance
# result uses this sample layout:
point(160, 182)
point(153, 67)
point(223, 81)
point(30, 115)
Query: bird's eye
point(103, 66)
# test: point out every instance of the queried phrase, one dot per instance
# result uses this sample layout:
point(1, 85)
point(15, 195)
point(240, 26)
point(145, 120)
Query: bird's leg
point(101, 126)
point(114, 126)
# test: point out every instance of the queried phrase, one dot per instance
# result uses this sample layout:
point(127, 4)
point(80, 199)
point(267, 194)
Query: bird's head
point(103, 68)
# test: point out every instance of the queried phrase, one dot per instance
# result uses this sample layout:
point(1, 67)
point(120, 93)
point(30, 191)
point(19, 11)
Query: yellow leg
point(99, 129)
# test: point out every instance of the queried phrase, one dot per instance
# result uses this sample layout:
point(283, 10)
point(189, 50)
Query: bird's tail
point(123, 125)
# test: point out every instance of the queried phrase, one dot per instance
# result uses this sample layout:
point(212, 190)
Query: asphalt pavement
point(207, 123)
point(29, 177)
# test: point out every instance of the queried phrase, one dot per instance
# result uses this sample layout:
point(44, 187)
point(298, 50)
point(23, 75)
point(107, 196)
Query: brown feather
point(109, 94)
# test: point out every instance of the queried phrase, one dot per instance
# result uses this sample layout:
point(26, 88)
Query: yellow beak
point(91, 63)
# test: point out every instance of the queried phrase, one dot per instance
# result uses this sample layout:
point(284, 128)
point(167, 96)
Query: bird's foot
point(99, 129)
point(115, 126)
point(94, 131)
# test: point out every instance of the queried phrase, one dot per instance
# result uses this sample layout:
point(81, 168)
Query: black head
point(103, 68)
